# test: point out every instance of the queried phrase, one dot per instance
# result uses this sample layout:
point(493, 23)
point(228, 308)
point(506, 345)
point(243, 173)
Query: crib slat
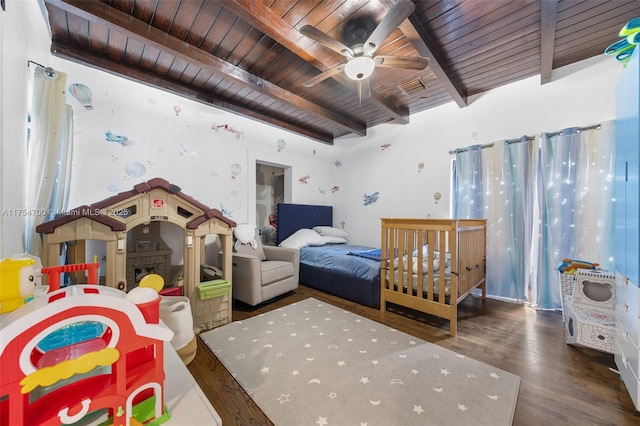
point(432, 237)
point(408, 249)
point(384, 265)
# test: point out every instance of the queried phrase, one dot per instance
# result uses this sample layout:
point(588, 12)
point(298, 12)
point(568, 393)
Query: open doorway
point(270, 190)
point(263, 164)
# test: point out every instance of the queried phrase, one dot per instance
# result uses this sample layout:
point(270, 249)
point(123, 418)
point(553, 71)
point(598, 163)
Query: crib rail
point(472, 246)
point(432, 264)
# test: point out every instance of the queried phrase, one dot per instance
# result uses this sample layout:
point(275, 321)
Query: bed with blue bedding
point(346, 270)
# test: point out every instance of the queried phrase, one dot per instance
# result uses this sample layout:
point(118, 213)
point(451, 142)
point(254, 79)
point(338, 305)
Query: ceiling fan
point(360, 60)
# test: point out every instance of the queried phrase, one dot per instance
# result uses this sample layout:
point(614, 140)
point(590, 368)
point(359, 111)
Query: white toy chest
point(589, 313)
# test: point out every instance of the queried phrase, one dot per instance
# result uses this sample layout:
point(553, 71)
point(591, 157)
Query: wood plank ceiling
point(249, 57)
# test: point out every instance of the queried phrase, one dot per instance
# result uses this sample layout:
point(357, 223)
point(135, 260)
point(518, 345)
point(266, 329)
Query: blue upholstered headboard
point(292, 217)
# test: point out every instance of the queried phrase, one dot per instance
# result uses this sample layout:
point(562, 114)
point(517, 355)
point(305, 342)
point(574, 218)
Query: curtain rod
point(526, 138)
point(29, 62)
point(560, 132)
point(577, 129)
point(48, 71)
point(471, 148)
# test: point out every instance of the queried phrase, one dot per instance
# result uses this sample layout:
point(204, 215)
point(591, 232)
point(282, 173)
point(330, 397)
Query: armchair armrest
point(246, 280)
point(282, 253)
point(245, 267)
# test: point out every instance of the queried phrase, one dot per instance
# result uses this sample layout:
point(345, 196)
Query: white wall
point(579, 95)
point(184, 149)
point(21, 39)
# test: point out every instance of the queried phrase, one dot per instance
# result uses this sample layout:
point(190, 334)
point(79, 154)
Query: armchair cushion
point(275, 270)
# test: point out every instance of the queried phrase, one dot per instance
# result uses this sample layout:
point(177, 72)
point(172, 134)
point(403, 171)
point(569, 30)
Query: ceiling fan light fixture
point(359, 68)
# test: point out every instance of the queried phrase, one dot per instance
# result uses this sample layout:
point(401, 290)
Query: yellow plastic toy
point(571, 266)
point(153, 281)
point(17, 283)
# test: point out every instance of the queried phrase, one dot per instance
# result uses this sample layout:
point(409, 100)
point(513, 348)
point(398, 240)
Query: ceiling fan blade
point(364, 89)
point(406, 62)
point(396, 15)
point(326, 40)
point(323, 76)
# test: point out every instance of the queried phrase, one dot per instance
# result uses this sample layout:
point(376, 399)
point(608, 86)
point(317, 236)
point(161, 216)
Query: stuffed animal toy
point(17, 283)
point(245, 234)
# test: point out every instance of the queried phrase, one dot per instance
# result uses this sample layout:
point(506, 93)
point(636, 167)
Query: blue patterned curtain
point(545, 199)
point(492, 184)
point(510, 211)
point(467, 203)
point(576, 199)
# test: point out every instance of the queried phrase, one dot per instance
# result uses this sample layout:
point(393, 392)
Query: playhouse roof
point(95, 211)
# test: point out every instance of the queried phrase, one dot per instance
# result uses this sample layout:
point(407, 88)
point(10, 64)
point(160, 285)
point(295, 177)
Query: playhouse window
point(129, 211)
point(597, 291)
point(70, 342)
point(184, 213)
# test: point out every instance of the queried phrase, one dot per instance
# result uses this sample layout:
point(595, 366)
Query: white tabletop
point(184, 399)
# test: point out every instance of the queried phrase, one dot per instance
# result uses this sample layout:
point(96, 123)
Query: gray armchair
point(264, 272)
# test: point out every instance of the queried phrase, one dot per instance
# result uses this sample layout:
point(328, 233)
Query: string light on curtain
point(576, 203)
point(545, 198)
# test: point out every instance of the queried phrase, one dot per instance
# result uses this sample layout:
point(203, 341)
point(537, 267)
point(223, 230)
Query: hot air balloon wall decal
point(83, 94)
point(235, 170)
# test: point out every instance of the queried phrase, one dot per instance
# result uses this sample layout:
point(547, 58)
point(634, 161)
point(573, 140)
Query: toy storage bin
point(567, 282)
point(175, 312)
point(590, 328)
point(589, 313)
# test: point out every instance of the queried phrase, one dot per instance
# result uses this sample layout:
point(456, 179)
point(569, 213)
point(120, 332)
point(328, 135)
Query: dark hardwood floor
point(560, 384)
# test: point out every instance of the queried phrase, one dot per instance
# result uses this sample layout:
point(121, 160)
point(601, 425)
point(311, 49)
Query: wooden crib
point(421, 256)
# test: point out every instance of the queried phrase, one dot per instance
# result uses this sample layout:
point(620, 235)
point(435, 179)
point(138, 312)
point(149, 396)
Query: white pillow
point(425, 264)
point(303, 238)
point(332, 240)
point(330, 231)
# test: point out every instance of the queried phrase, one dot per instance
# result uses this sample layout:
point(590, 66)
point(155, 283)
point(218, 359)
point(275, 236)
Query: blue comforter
point(373, 254)
point(336, 257)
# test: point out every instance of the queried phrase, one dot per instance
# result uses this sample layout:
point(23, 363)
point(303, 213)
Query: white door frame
point(268, 159)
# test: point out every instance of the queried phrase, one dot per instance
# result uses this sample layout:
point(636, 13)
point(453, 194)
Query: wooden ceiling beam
point(134, 74)
point(548, 18)
point(114, 19)
point(258, 15)
point(415, 32)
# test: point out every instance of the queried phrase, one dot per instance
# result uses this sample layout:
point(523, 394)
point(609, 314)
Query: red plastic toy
point(84, 352)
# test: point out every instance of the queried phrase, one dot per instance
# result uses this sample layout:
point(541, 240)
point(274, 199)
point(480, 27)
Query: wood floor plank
point(560, 384)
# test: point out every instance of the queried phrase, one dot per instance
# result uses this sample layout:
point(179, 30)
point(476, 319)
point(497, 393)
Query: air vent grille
point(412, 87)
